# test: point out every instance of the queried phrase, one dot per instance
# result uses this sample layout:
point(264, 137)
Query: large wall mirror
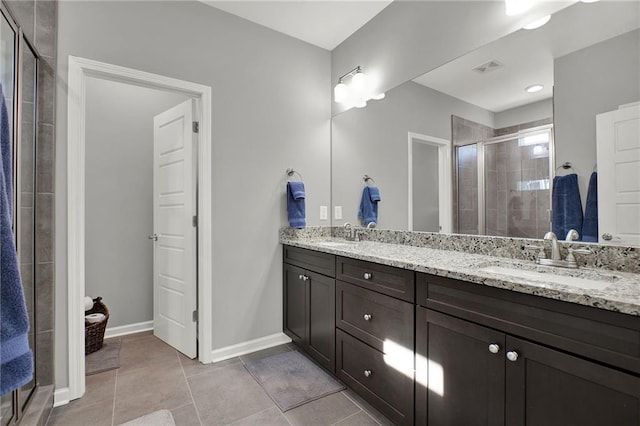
point(465, 148)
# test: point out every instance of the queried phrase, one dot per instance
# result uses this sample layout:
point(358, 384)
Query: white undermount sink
point(546, 276)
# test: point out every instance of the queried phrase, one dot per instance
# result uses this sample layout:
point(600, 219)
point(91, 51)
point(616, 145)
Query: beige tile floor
point(154, 376)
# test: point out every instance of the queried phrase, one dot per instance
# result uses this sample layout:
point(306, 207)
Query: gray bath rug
point(105, 359)
point(157, 418)
point(291, 379)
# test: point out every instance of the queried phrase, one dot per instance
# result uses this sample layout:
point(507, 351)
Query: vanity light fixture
point(534, 88)
point(357, 92)
point(516, 7)
point(537, 23)
point(589, 1)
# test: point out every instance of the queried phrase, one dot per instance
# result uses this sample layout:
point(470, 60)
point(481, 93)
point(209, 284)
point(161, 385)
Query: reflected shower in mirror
point(586, 58)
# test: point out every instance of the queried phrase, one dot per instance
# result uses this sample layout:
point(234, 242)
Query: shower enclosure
point(18, 76)
point(503, 184)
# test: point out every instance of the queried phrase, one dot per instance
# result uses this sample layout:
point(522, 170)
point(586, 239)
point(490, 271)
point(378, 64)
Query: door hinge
point(195, 126)
point(194, 221)
point(195, 316)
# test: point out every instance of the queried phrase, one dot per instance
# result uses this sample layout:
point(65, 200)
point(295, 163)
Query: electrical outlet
point(323, 212)
point(337, 212)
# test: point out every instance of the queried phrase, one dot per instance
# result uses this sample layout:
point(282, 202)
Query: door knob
point(607, 236)
point(367, 373)
point(512, 356)
point(494, 348)
point(367, 276)
point(367, 317)
point(153, 237)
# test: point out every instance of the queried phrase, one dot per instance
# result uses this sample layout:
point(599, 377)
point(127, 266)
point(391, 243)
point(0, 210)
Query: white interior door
point(618, 150)
point(174, 206)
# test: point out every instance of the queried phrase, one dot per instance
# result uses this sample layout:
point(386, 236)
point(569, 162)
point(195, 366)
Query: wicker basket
point(94, 331)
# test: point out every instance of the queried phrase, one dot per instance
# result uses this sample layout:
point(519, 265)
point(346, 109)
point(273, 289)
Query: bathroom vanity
point(444, 338)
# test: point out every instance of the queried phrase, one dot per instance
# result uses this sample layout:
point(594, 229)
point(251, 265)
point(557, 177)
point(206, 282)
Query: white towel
point(93, 318)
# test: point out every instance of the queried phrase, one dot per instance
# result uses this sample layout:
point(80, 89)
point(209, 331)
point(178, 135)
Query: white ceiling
point(528, 56)
point(324, 23)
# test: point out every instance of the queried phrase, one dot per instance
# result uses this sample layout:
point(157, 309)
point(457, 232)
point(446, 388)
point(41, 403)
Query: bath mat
point(105, 359)
point(291, 379)
point(157, 418)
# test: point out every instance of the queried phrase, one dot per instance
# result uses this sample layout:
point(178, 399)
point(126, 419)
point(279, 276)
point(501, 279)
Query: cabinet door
point(322, 319)
point(459, 381)
point(295, 303)
point(548, 387)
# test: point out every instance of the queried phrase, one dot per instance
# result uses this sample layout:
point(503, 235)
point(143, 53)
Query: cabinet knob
point(301, 277)
point(367, 276)
point(368, 373)
point(512, 356)
point(494, 348)
point(367, 317)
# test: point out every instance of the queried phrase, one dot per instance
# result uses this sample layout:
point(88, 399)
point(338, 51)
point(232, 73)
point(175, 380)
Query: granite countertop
point(610, 290)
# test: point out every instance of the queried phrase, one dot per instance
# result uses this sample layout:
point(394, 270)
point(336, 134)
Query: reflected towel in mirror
point(590, 225)
point(566, 205)
point(368, 211)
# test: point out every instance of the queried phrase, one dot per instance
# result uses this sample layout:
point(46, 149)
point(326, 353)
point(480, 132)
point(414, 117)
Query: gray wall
point(119, 196)
point(271, 110)
point(426, 208)
point(524, 114)
point(409, 38)
point(373, 141)
point(588, 82)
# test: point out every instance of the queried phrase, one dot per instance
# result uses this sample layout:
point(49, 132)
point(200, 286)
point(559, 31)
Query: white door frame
point(445, 195)
point(79, 70)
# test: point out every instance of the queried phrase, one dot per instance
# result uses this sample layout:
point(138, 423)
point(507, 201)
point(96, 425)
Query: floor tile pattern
point(154, 376)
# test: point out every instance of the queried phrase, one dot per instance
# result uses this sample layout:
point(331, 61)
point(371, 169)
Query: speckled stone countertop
point(621, 294)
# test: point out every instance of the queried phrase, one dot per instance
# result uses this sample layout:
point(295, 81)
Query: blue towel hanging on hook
point(296, 205)
point(368, 211)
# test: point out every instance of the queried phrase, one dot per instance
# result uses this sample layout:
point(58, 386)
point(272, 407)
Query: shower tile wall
point(38, 20)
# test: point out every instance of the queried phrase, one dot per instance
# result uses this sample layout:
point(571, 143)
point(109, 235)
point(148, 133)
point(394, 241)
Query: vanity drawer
point(384, 279)
point(316, 261)
point(373, 317)
point(378, 380)
point(602, 335)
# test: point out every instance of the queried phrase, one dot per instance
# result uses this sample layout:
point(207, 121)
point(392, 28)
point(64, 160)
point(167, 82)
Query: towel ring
point(367, 178)
point(566, 166)
point(290, 172)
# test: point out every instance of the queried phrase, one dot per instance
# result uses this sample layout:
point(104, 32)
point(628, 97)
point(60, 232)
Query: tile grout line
point(193, 401)
point(349, 416)
point(359, 406)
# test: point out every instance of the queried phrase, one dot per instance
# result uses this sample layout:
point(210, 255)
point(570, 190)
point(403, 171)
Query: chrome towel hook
point(367, 179)
point(290, 173)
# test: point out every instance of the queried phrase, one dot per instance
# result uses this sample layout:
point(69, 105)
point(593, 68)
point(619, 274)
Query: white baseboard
point(249, 346)
point(61, 397)
point(128, 329)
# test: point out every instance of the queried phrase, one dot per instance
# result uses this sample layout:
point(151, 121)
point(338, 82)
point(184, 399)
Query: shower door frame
point(480, 151)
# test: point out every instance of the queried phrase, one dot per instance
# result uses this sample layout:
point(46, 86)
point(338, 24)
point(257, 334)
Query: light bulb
point(359, 84)
point(537, 23)
point(340, 92)
point(515, 7)
point(534, 88)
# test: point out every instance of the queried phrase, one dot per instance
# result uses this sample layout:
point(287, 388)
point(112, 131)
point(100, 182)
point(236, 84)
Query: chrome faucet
point(353, 233)
point(556, 258)
point(555, 246)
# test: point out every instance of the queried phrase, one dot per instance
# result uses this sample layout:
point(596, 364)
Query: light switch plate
point(337, 212)
point(323, 212)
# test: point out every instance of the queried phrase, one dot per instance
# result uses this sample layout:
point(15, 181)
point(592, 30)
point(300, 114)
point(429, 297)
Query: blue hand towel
point(566, 205)
point(368, 211)
point(590, 225)
point(295, 205)
point(16, 362)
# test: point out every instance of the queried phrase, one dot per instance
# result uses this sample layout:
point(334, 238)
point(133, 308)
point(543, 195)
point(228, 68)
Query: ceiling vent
point(488, 66)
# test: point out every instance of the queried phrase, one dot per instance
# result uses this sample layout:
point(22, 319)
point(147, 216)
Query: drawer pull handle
point(367, 317)
point(494, 348)
point(368, 373)
point(367, 276)
point(512, 356)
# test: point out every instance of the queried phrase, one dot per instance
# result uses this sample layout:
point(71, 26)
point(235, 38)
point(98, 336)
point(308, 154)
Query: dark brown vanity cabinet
point(375, 336)
point(309, 303)
point(471, 368)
